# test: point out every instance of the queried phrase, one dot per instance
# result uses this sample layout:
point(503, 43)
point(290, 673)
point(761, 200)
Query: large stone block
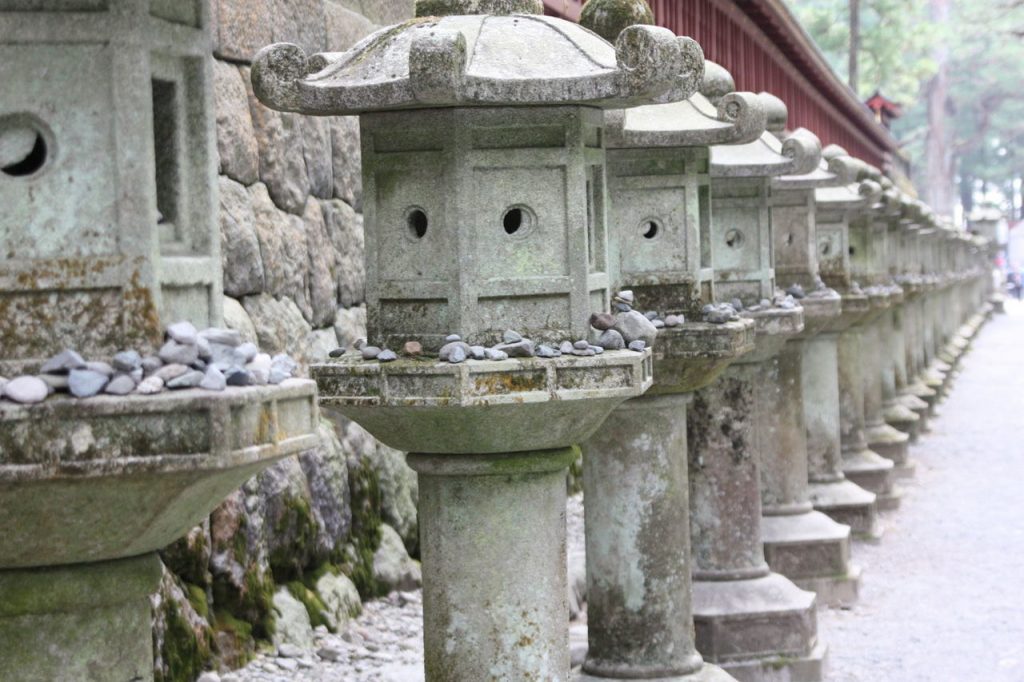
point(279, 324)
point(239, 245)
point(301, 22)
point(345, 228)
point(282, 238)
point(236, 139)
point(345, 27)
point(242, 27)
point(316, 149)
point(382, 12)
point(346, 156)
point(282, 161)
point(322, 285)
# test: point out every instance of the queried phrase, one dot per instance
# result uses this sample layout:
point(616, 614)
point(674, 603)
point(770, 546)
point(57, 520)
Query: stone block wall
point(272, 560)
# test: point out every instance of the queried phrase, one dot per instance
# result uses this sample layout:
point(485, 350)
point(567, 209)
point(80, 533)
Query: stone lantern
point(874, 244)
point(859, 371)
point(749, 620)
point(919, 284)
point(107, 177)
point(829, 489)
point(638, 534)
point(484, 176)
point(801, 543)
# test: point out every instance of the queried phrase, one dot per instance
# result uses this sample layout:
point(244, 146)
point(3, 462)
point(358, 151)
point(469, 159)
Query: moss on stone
point(184, 654)
point(197, 598)
point(315, 607)
point(288, 561)
point(235, 643)
point(574, 477)
point(357, 560)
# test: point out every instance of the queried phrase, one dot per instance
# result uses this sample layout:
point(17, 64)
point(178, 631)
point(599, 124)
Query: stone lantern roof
point(799, 154)
point(462, 57)
point(819, 176)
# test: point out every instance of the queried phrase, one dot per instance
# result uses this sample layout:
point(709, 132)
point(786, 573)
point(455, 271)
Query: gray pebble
point(237, 376)
point(122, 384)
point(602, 321)
point(651, 315)
point(622, 307)
point(151, 363)
point(611, 340)
point(127, 360)
point(736, 304)
point(582, 344)
point(583, 352)
point(452, 337)
point(369, 352)
point(101, 367)
point(179, 353)
point(445, 351)
point(674, 320)
point(330, 652)
point(183, 332)
point(62, 363)
point(213, 380)
point(204, 348)
point(765, 303)
point(172, 371)
point(189, 379)
point(639, 345)
point(544, 351)
point(625, 295)
point(477, 352)
point(658, 324)
point(336, 353)
point(387, 355)
point(597, 350)
point(566, 347)
point(136, 375)
point(248, 351)
point(511, 336)
point(151, 385)
point(85, 383)
point(632, 325)
point(287, 650)
point(26, 389)
point(259, 367)
point(457, 355)
point(796, 291)
point(519, 349)
point(56, 382)
point(495, 354)
point(225, 337)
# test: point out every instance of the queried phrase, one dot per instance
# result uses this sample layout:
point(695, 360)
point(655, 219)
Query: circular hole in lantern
point(416, 221)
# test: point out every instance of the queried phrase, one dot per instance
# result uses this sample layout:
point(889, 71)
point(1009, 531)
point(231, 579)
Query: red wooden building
point(766, 49)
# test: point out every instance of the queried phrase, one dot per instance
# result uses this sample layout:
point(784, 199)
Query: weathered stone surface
point(345, 228)
point(291, 621)
point(279, 324)
point(326, 475)
point(350, 325)
point(236, 318)
point(178, 629)
point(399, 491)
point(320, 343)
point(391, 563)
point(236, 138)
point(339, 595)
point(243, 28)
point(283, 247)
point(282, 163)
point(239, 244)
point(301, 22)
point(316, 150)
point(346, 27)
point(322, 286)
point(26, 389)
point(346, 157)
point(382, 12)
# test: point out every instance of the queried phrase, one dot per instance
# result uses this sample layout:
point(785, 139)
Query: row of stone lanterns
point(518, 170)
point(725, 467)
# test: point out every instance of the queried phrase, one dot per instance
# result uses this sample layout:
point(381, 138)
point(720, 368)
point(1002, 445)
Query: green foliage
point(896, 42)
point(185, 655)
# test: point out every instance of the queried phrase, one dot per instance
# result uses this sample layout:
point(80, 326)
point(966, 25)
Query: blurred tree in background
point(956, 66)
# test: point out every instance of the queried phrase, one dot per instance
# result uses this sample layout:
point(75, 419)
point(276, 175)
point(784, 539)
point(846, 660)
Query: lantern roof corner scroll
point(464, 60)
point(798, 154)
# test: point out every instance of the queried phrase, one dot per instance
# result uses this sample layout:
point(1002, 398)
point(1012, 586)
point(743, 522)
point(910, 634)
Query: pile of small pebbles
point(211, 359)
point(720, 313)
point(624, 329)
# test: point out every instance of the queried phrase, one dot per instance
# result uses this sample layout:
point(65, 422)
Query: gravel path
point(942, 598)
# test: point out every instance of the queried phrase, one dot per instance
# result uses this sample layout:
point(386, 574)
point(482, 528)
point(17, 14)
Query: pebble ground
point(942, 596)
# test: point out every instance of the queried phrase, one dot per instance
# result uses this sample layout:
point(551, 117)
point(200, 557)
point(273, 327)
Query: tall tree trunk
point(854, 71)
point(939, 180)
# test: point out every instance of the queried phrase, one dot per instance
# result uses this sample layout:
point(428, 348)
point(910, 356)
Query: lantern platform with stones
point(658, 184)
point(870, 263)
point(752, 622)
point(484, 172)
point(862, 465)
point(801, 543)
point(901, 409)
point(109, 231)
point(829, 489)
